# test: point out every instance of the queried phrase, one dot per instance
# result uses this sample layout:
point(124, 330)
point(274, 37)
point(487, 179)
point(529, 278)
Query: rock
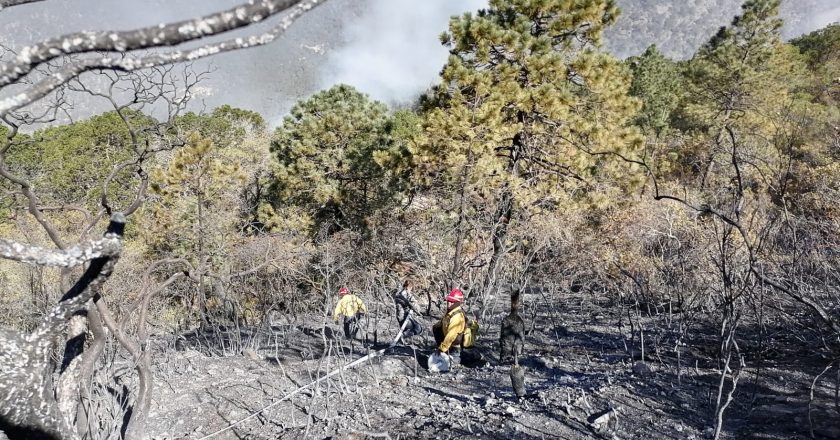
point(641, 368)
point(510, 410)
point(604, 420)
point(489, 402)
point(251, 354)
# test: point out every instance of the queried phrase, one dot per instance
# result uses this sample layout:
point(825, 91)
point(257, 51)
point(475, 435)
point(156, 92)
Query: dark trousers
point(438, 333)
point(351, 326)
point(413, 328)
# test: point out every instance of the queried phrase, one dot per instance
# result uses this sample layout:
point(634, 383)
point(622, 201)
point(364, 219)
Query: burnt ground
point(580, 364)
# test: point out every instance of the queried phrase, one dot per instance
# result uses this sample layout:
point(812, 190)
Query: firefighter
point(405, 304)
point(352, 308)
point(450, 329)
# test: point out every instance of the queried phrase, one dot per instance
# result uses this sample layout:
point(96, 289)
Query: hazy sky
point(386, 48)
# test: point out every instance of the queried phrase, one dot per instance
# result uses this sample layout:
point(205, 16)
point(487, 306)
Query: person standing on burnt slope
point(406, 305)
point(352, 309)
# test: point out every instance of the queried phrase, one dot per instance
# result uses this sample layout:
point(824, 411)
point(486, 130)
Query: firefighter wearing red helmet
point(450, 329)
point(352, 308)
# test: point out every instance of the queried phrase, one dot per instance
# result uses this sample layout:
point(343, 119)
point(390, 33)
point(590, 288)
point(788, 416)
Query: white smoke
point(824, 18)
point(393, 52)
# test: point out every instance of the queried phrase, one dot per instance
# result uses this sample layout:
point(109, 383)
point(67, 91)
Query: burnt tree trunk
point(28, 405)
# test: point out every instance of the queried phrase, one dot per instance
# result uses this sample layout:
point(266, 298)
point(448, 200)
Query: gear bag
point(470, 333)
point(439, 362)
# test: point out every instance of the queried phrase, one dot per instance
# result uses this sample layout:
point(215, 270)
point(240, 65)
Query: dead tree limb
point(32, 56)
point(28, 408)
point(10, 3)
point(72, 257)
point(165, 34)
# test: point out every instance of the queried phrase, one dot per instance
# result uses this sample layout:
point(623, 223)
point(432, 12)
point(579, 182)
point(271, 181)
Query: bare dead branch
point(165, 34)
point(10, 3)
point(128, 64)
point(72, 257)
point(26, 409)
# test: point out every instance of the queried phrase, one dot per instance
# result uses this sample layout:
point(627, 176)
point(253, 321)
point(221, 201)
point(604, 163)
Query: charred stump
point(512, 334)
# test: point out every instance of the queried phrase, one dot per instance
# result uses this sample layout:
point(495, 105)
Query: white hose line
point(327, 376)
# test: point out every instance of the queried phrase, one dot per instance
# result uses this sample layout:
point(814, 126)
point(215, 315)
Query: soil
point(584, 379)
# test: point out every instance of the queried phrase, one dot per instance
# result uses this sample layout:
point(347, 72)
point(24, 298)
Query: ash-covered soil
point(583, 374)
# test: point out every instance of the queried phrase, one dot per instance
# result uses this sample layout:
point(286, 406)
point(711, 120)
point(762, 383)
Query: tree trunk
point(504, 212)
point(455, 272)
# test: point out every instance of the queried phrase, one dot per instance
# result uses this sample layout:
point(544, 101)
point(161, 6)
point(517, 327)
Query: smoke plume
point(393, 52)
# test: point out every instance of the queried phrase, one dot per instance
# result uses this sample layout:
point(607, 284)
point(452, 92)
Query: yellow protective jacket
point(349, 305)
point(453, 325)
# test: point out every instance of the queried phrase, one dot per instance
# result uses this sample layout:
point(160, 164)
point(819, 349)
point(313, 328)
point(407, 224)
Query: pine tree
point(749, 125)
point(744, 102)
point(194, 213)
point(657, 83)
point(525, 100)
point(337, 162)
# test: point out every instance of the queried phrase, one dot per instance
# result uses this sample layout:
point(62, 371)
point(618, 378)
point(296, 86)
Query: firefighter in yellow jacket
point(449, 331)
point(352, 309)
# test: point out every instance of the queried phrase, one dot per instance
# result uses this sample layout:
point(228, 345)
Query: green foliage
point(821, 49)
point(657, 82)
point(525, 98)
point(240, 136)
point(752, 126)
point(224, 126)
point(340, 157)
point(195, 210)
point(821, 46)
point(727, 73)
point(68, 164)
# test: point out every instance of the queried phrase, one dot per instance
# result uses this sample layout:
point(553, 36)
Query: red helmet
point(455, 295)
point(343, 291)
